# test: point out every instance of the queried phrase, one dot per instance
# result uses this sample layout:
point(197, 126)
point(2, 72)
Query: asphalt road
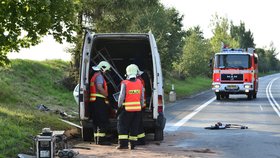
point(185, 134)
point(187, 118)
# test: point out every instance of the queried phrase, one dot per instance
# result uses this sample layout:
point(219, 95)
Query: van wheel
point(158, 134)
point(87, 134)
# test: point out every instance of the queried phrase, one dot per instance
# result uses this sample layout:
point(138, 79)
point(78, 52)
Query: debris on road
point(219, 125)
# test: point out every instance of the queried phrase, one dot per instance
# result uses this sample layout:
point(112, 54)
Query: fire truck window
point(232, 61)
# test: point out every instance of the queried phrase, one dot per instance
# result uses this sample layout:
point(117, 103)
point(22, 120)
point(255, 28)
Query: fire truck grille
point(232, 77)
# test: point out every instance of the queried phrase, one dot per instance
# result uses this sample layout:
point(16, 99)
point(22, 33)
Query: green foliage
point(245, 38)
point(268, 59)
point(136, 16)
point(221, 34)
point(196, 54)
point(23, 23)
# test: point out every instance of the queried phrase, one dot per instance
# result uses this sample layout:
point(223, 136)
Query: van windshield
point(241, 61)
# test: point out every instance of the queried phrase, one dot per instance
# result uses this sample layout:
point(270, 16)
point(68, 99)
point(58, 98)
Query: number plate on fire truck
point(232, 87)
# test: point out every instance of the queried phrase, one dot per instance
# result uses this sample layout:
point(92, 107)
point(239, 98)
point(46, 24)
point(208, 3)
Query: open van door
point(87, 131)
point(158, 95)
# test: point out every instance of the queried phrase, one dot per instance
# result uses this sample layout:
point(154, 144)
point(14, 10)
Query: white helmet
point(132, 71)
point(139, 72)
point(103, 66)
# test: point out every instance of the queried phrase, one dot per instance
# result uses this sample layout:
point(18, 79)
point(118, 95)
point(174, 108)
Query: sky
point(260, 16)
point(47, 49)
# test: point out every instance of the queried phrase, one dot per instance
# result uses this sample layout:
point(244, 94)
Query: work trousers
point(141, 132)
point(100, 119)
point(128, 124)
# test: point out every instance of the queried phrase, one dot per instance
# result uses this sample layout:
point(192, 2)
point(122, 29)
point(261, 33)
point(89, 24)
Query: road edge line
point(178, 124)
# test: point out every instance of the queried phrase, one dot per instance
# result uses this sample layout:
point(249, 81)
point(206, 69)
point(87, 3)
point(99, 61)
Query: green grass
point(188, 86)
point(24, 85)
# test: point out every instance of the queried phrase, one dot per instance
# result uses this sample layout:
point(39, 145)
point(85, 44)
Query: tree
point(268, 59)
point(245, 38)
point(136, 16)
point(271, 56)
point(196, 54)
point(166, 25)
point(221, 33)
point(23, 23)
point(262, 64)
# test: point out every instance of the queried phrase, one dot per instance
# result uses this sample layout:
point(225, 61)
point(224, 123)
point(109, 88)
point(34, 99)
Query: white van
point(120, 50)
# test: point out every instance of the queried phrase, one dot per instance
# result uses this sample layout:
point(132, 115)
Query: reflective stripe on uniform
point(133, 108)
point(142, 135)
point(123, 136)
point(131, 103)
point(100, 135)
point(97, 95)
point(92, 99)
point(133, 138)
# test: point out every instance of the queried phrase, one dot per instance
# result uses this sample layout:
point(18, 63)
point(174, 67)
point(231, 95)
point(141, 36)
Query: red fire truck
point(235, 71)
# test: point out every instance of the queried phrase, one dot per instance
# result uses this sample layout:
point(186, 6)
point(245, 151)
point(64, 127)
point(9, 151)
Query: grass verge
point(24, 85)
point(188, 86)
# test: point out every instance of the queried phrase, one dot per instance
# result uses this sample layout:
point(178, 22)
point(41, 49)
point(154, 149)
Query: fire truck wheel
point(227, 96)
point(255, 95)
point(218, 96)
point(249, 96)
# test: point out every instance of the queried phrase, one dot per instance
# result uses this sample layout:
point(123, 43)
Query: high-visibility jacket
point(132, 95)
point(143, 83)
point(93, 93)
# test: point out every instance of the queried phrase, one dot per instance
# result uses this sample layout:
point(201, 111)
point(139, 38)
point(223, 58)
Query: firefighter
point(99, 107)
point(141, 132)
point(131, 100)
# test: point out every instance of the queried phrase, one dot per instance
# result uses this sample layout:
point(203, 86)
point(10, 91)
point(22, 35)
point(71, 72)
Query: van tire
point(158, 134)
point(87, 134)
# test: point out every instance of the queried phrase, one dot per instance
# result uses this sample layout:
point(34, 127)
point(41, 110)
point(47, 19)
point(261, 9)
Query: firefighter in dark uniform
point(99, 107)
point(131, 101)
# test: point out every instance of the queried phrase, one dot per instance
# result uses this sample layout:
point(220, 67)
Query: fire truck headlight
point(216, 86)
point(247, 86)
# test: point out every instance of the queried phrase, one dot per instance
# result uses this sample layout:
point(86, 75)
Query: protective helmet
point(131, 71)
point(103, 66)
point(139, 72)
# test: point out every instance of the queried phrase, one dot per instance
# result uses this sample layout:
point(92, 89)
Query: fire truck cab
point(235, 71)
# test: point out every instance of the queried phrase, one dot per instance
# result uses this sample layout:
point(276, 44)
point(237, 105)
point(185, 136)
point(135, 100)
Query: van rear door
point(158, 97)
point(157, 85)
point(84, 76)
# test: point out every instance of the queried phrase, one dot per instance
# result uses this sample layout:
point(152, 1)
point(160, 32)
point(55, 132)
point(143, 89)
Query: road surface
point(185, 135)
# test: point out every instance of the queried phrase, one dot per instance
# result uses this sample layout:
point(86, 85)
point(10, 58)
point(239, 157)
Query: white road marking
point(174, 127)
point(270, 97)
point(261, 108)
